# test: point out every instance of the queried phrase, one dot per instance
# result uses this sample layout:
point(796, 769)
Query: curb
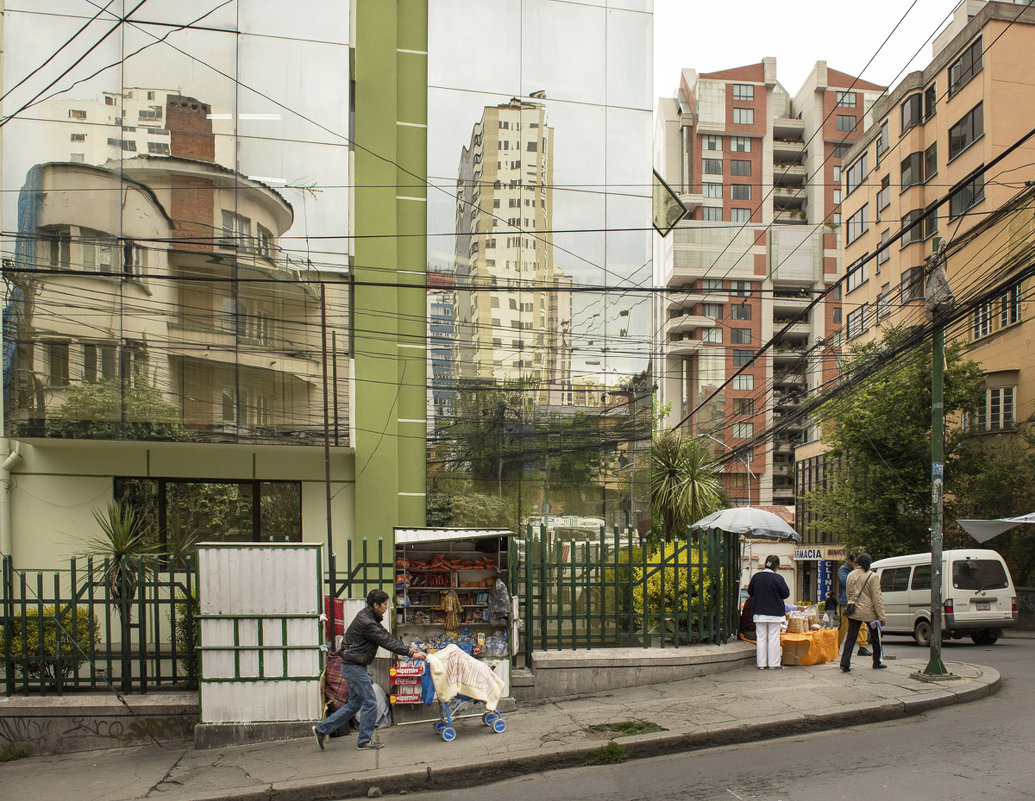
point(636, 747)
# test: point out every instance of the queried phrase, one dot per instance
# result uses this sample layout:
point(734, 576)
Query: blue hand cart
point(448, 709)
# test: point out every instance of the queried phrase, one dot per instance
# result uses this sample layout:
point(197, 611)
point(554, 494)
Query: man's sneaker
point(879, 667)
point(319, 737)
point(865, 652)
point(372, 745)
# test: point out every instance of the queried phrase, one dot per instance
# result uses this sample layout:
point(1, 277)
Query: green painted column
point(391, 40)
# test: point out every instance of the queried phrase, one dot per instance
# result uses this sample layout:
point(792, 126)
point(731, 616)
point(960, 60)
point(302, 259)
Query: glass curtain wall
point(175, 219)
point(539, 218)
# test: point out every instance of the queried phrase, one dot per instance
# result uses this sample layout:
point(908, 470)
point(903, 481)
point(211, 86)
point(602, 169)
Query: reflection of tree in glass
point(117, 410)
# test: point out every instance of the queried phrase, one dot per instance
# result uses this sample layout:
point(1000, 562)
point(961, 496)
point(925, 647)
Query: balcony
point(788, 302)
point(786, 353)
point(689, 298)
point(683, 346)
point(789, 128)
point(790, 217)
point(789, 174)
point(688, 322)
point(692, 201)
point(786, 198)
point(796, 331)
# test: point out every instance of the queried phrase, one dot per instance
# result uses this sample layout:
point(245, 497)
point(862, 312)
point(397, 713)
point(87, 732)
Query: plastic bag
point(499, 602)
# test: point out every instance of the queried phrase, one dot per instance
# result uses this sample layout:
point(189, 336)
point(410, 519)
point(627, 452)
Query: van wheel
point(984, 637)
point(922, 633)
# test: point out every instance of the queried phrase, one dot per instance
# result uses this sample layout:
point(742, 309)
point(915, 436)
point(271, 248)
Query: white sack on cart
point(455, 672)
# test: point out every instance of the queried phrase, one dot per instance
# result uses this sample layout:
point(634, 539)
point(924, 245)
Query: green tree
point(117, 410)
point(879, 434)
point(684, 483)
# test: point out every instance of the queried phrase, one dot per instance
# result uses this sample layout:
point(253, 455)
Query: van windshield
point(978, 574)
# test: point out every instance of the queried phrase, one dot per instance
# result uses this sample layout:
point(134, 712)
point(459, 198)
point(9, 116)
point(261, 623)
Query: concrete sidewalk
point(740, 705)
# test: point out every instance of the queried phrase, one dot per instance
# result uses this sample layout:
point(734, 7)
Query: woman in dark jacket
point(768, 589)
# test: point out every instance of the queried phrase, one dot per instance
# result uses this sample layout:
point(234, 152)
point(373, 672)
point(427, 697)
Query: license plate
point(983, 606)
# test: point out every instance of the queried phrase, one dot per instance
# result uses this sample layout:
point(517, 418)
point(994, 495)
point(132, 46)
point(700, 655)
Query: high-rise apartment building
point(758, 170)
point(931, 137)
point(504, 259)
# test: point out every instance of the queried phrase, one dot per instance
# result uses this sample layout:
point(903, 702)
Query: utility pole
point(939, 300)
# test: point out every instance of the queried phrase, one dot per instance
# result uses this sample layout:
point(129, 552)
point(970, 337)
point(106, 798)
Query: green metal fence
point(613, 590)
point(126, 624)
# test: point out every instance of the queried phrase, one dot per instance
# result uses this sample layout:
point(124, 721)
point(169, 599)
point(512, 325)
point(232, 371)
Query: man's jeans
point(361, 699)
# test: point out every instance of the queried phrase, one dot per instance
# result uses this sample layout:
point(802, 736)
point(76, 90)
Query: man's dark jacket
point(364, 634)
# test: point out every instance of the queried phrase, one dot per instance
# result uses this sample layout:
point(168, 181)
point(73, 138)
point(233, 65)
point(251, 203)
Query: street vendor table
point(813, 648)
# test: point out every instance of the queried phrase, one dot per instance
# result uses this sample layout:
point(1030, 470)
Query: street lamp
point(751, 475)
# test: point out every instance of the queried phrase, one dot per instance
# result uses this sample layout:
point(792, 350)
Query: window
point(982, 324)
point(532, 147)
point(743, 430)
point(744, 381)
point(912, 170)
point(845, 122)
point(740, 167)
point(883, 141)
point(835, 174)
point(76, 114)
point(78, 137)
point(740, 191)
point(713, 167)
point(846, 99)
point(236, 230)
point(712, 284)
point(965, 132)
point(837, 197)
point(840, 151)
point(55, 242)
point(857, 173)
point(712, 189)
point(835, 219)
point(930, 101)
point(912, 111)
point(921, 577)
point(740, 311)
point(884, 195)
point(742, 357)
point(1010, 312)
point(57, 364)
point(264, 244)
point(996, 414)
point(858, 224)
point(965, 67)
point(927, 227)
point(740, 288)
point(99, 363)
point(837, 316)
point(740, 215)
point(713, 310)
point(740, 336)
point(966, 196)
point(857, 274)
point(743, 405)
point(158, 148)
point(912, 284)
point(742, 144)
point(743, 91)
point(930, 162)
point(895, 579)
point(743, 116)
point(77, 158)
point(884, 253)
point(712, 335)
point(712, 142)
point(857, 321)
point(884, 302)
point(712, 213)
point(97, 251)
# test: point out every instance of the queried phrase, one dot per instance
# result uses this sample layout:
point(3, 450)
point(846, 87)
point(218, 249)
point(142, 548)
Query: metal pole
point(938, 300)
point(327, 451)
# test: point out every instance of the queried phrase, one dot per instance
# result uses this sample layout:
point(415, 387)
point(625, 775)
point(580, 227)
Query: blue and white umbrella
point(749, 521)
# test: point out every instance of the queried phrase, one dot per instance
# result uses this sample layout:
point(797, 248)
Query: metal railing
point(103, 623)
point(613, 590)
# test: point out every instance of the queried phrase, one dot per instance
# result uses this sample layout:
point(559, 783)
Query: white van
point(977, 594)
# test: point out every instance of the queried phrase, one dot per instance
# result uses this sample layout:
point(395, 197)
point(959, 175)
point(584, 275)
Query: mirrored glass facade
point(175, 218)
point(539, 249)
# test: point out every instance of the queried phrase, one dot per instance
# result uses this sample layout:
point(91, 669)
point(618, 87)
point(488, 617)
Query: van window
point(894, 579)
point(921, 577)
point(979, 574)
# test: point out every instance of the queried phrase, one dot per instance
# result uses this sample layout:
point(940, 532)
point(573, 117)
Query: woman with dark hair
point(768, 591)
point(867, 608)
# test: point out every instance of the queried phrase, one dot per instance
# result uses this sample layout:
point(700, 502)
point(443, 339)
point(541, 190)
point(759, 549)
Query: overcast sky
point(710, 36)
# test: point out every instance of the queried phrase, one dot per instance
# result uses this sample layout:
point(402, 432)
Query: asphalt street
point(981, 750)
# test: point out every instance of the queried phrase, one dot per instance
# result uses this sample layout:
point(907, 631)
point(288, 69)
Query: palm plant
point(684, 484)
point(126, 536)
